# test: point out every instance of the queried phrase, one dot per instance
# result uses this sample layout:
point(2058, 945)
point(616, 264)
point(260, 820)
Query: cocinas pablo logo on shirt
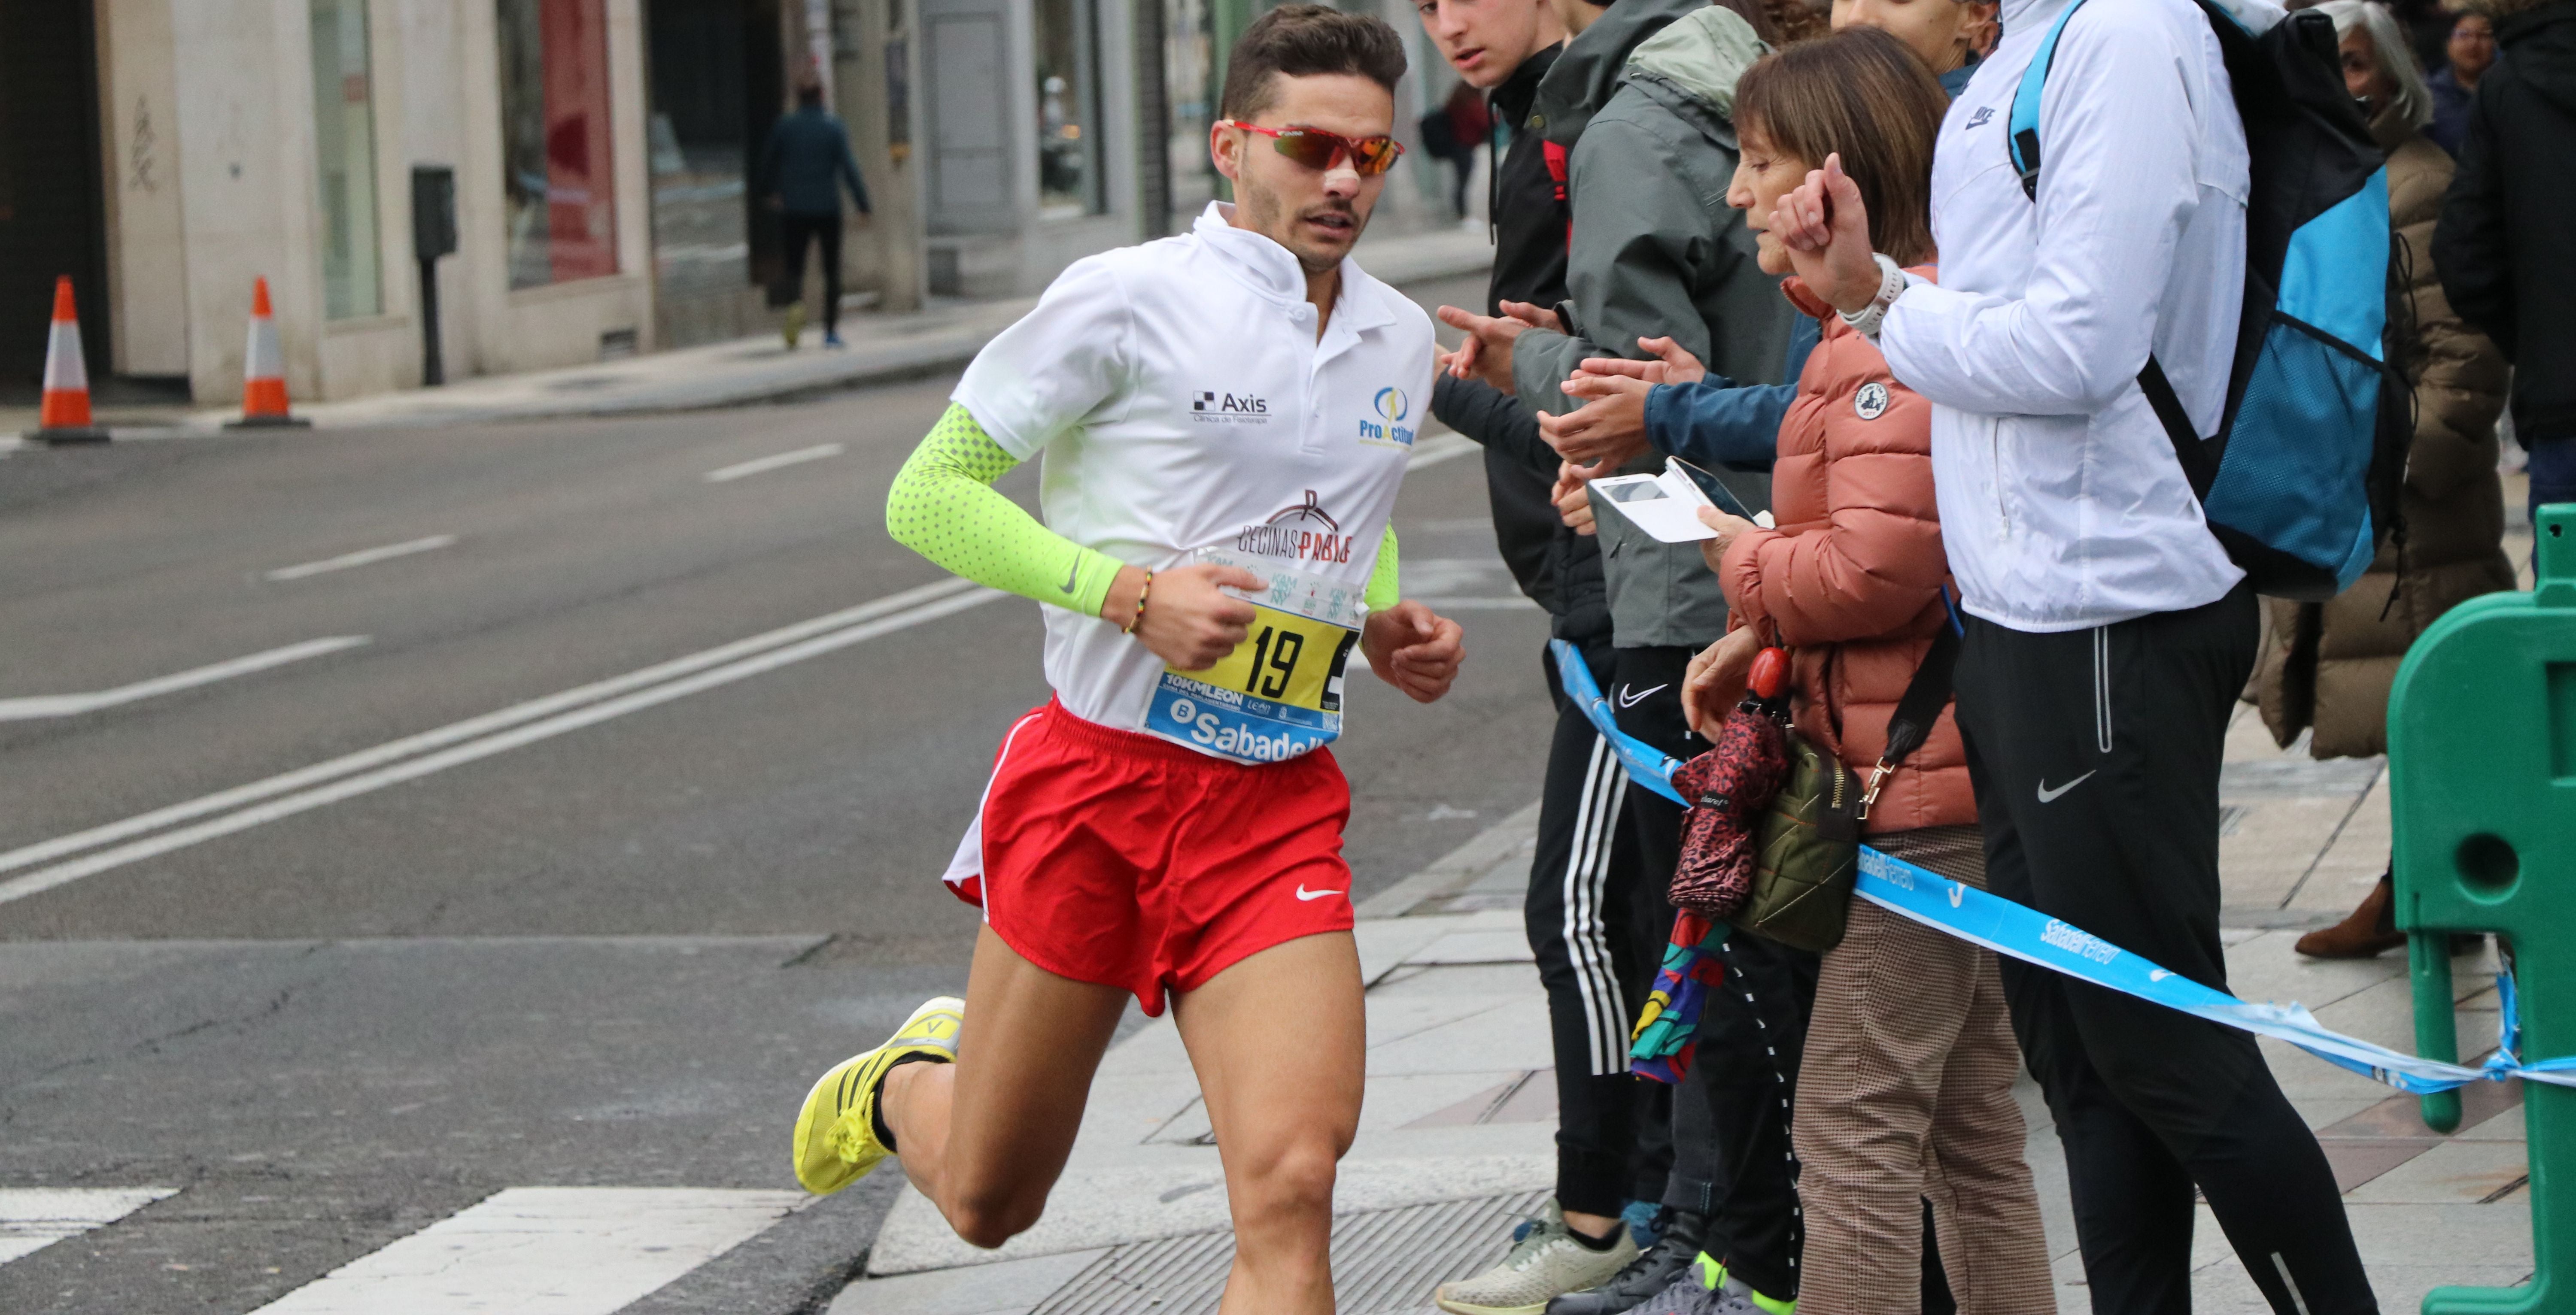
point(1392, 406)
point(1229, 409)
point(1304, 532)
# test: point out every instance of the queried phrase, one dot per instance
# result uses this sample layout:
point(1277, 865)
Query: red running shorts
point(1129, 861)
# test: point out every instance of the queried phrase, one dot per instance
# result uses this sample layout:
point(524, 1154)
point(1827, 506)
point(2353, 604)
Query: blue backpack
point(2300, 481)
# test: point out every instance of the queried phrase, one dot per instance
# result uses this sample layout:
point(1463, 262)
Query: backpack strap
point(2022, 138)
point(1925, 696)
point(2188, 447)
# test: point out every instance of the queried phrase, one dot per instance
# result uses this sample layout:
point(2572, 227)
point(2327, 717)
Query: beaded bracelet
point(1143, 592)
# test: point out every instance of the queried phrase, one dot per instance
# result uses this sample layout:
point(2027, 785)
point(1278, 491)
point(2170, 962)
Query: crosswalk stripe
point(544, 1251)
point(33, 1218)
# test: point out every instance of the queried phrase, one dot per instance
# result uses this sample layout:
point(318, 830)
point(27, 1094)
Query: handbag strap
point(1925, 696)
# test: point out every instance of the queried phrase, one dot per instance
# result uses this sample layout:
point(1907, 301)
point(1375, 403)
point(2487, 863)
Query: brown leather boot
point(2370, 931)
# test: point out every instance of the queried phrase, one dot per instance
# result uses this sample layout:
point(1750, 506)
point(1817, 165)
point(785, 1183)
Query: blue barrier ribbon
point(2000, 925)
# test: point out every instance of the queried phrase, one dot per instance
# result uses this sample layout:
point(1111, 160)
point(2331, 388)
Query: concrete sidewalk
point(758, 369)
point(1456, 1134)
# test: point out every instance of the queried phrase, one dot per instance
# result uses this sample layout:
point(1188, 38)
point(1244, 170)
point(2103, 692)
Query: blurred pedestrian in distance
point(2329, 666)
point(2502, 244)
point(1453, 132)
point(802, 170)
point(2471, 49)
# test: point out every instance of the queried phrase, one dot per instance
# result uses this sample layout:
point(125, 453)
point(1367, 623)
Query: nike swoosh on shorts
point(2048, 796)
point(1305, 894)
point(1627, 700)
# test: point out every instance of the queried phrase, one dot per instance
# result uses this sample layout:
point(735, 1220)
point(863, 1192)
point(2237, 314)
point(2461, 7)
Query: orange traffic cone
point(264, 371)
point(64, 416)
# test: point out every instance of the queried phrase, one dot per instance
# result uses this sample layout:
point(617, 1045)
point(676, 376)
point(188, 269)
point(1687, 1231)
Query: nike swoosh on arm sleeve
point(943, 506)
point(2118, 132)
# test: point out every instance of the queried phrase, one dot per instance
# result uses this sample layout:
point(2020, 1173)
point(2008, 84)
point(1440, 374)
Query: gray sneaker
point(1546, 1262)
point(1733, 1297)
point(1687, 1294)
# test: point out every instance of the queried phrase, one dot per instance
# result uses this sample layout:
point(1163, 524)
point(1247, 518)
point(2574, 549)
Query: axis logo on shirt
point(1212, 408)
point(1305, 532)
point(1392, 405)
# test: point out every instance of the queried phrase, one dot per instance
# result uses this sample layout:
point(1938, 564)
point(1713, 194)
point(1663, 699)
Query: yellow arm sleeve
point(1382, 591)
point(943, 506)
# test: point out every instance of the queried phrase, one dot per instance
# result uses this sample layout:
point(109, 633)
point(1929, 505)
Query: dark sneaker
point(1649, 1274)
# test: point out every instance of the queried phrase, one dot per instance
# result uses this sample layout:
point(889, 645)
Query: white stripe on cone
point(65, 371)
point(264, 359)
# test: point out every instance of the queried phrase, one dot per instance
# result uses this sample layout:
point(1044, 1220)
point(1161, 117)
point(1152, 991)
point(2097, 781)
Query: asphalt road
point(534, 854)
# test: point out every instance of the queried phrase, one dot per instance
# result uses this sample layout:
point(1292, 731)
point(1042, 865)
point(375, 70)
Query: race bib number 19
point(1279, 693)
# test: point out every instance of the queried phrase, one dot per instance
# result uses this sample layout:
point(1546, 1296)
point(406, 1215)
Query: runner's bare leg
point(1280, 1045)
point(986, 1137)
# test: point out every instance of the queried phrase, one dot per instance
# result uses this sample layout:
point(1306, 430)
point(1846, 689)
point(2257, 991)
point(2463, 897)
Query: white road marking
point(362, 557)
point(405, 768)
point(72, 705)
point(773, 462)
point(467, 729)
point(544, 1251)
point(33, 1218)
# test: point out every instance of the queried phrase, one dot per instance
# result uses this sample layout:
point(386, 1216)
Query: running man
point(1226, 410)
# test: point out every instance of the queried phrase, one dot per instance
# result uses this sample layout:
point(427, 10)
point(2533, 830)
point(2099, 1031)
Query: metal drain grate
point(1385, 1262)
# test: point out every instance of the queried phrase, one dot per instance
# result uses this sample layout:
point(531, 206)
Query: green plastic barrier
point(2482, 796)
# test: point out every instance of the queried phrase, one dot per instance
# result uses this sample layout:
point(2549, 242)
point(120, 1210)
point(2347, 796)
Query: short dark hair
point(1301, 41)
point(1864, 95)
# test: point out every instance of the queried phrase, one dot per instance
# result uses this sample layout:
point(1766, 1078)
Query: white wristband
point(1891, 281)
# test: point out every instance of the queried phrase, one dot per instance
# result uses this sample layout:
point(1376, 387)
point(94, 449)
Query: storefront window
point(1069, 181)
point(560, 191)
point(344, 148)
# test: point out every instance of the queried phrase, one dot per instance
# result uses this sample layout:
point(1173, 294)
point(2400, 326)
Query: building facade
point(605, 157)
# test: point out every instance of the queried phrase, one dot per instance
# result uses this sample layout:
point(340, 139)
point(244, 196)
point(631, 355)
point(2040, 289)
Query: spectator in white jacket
point(2108, 631)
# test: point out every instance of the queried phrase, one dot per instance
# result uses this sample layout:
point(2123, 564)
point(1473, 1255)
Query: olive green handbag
point(1807, 848)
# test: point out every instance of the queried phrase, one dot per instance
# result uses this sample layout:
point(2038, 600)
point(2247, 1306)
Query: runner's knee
point(988, 1217)
point(1296, 1180)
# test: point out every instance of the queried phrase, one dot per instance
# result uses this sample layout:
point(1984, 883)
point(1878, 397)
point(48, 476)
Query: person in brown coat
point(2329, 665)
point(1905, 1094)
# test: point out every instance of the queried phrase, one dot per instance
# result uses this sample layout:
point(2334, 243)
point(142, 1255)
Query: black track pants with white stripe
point(1731, 1158)
point(1593, 928)
point(2095, 755)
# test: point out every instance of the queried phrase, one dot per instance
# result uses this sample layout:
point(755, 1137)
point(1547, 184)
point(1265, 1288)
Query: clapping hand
point(1573, 496)
point(1487, 353)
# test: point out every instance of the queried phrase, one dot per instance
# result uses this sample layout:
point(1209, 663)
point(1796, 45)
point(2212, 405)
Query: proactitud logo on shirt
point(1305, 532)
point(1393, 406)
point(1229, 409)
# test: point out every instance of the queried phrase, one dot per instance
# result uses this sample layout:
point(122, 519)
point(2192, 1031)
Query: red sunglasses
point(1317, 149)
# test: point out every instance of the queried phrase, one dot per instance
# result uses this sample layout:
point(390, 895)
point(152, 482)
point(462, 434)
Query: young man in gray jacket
point(1654, 251)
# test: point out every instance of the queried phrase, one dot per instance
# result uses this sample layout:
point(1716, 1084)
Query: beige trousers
point(1905, 1094)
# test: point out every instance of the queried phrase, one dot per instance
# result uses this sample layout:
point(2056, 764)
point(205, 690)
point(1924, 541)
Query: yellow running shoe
point(836, 1132)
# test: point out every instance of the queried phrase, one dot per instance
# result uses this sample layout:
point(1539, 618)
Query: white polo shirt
point(1185, 407)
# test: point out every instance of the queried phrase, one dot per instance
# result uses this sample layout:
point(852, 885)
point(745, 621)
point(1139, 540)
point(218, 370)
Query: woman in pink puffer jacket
point(1905, 1092)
